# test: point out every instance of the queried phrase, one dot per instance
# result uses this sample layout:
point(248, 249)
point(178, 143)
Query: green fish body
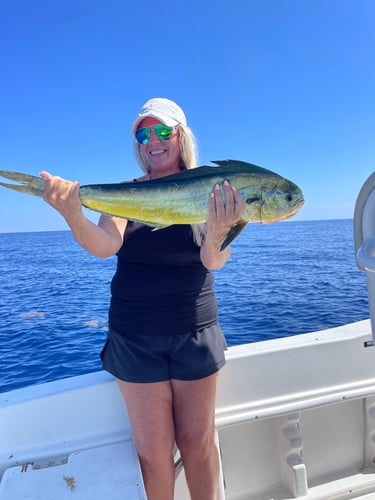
point(183, 198)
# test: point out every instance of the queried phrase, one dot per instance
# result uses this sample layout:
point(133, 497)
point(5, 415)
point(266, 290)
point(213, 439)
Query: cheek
point(175, 145)
point(143, 154)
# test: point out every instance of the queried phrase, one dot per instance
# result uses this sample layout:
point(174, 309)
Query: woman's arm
point(102, 240)
point(221, 217)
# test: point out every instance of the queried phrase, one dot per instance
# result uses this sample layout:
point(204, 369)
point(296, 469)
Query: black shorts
point(148, 358)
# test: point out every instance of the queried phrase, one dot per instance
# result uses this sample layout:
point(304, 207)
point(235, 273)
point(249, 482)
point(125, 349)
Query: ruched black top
point(161, 286)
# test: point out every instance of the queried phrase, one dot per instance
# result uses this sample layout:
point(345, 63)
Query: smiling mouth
point(157, 152)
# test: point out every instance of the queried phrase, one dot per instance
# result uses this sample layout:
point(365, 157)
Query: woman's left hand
point(223, 213)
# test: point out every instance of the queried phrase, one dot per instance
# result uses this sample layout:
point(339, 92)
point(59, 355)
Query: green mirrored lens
point(162, 131)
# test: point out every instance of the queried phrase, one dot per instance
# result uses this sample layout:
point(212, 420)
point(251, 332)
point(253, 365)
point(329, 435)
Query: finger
point(75, 188)
point(211, 205)
point(239, 202)
point(230, 199)
point(45, 174)
point(219, 203)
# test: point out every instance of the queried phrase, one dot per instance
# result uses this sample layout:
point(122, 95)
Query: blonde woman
point(164, 346)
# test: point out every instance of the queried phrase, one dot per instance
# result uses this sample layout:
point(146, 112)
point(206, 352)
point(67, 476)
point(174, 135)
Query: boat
point(295, 418)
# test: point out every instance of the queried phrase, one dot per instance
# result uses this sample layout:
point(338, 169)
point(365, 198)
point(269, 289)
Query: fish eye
point(289, 197)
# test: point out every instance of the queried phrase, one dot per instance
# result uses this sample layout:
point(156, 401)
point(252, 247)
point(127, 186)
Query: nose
point(153, 137)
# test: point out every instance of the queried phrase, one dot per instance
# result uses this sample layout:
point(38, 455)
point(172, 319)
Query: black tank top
point(160, 286)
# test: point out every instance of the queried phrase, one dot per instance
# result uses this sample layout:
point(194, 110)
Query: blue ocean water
point(282, 279)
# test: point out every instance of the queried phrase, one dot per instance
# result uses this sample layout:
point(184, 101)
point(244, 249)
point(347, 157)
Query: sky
point(285, 84)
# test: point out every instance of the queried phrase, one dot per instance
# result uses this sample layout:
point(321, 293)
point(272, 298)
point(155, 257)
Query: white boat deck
point(75, 439)
point(295, 419)
point(89, 474)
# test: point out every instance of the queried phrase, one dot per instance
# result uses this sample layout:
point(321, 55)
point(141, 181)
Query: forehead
point(148, 122)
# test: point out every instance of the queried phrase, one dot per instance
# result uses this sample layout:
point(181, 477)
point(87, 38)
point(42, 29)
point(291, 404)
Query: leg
point(194, 414)
point(150, 412)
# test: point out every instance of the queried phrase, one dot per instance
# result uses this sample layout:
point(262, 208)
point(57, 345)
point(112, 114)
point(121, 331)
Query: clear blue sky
point(286, 84)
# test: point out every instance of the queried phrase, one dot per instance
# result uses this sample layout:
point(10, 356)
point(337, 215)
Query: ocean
point(282, 279)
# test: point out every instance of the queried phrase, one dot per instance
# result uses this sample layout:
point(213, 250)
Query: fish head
point(280, 202)
point(269, 197)
point(272, 201)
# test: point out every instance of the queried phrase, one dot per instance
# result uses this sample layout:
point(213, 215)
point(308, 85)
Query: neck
point(155, 174)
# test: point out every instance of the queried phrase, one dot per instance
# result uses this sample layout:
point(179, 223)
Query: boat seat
point(92, 474)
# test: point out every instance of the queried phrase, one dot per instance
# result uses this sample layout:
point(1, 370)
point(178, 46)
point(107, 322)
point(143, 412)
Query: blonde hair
point(189, 159)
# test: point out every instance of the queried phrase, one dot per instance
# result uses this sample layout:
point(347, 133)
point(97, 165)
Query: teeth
point(157, 152)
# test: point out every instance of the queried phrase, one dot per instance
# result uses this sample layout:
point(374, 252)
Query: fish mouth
point(298, 203)
point(296, 207)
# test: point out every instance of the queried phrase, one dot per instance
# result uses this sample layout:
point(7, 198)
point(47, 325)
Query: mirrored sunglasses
point(162, 131)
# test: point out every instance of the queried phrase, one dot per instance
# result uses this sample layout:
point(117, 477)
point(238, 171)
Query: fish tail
point(28, 184)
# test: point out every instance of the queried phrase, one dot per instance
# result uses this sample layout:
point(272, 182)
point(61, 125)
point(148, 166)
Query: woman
point(164, 346)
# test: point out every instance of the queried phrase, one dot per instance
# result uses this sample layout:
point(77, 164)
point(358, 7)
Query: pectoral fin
point(233, 233)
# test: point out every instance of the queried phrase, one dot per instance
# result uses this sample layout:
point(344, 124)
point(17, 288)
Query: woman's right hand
point(102, 240)
point(62, 195)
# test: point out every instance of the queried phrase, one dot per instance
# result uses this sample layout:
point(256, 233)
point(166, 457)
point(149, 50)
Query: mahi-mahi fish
point(182, 198)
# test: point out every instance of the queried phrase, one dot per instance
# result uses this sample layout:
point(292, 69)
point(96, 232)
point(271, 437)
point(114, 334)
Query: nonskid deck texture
point(110, 471)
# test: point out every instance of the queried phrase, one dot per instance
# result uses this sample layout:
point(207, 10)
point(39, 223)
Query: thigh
point(150, 412)
point(194, 407)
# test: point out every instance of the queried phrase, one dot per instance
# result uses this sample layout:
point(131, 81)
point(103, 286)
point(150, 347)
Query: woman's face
point(163, 156)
